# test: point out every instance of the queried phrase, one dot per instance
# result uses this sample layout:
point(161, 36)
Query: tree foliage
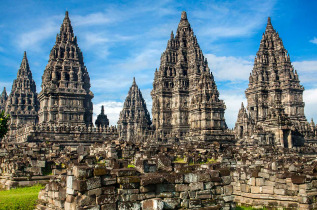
point(4, 119)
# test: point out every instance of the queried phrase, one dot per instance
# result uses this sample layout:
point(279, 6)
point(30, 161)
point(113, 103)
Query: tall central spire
point(185, 96)
point(66, 95)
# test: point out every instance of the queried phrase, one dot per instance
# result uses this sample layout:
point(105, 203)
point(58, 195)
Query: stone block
point(100, 171)
point(181, 187)
point(152, 204)
point(298, 179)
point(129, 206)
point(110, 198)
point(95, 192)
point(128, 191)
point(268, 189)
point(81, 172)
point(94, 182)
point(171, 203)
point(108, 190)
point(125, 172)
point(109, 206)
point(80, 185)
point(208, 185)
point(279, 191)
point(264, 175)
point(190, 178)
point(134, 185)
point(228, 189)
point(108, 180)
point(256, 189)
point(196, 186)
point(259, 181)
point(205, 177)
point(194, 203)
point(224, 172)
point(226, 180)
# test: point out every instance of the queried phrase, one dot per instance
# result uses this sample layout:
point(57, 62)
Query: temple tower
point(274, 95)
point(185, 96)
point(134, 121)
point(3, 99)
point(22, 104)
point(66, 95)
point(102, 120)
point(273, 78)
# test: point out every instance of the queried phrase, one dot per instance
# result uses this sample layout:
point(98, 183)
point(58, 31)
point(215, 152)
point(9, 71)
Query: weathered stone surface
point(153, 204)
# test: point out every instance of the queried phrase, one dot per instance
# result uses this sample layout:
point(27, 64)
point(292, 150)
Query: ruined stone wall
point(275, 178)
point(100, 188)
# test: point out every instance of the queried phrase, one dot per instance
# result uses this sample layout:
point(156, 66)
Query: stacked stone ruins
point(185, 158)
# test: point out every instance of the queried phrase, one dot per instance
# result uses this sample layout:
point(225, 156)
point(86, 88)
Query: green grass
point(180, 160)
point(131, 166)
point(248, 208)
point(23, 198)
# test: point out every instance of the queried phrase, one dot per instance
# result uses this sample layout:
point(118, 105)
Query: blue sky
point(123, 39)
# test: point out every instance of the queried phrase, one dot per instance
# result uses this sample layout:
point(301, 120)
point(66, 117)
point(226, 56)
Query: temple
point(185, 96)
point(185, 158)
point(22, 104)
point(102, 120)
point(66, 95)
point(134, 120)
point(275, 107)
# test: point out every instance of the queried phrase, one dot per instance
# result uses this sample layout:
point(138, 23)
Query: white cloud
point(91, 19)
point(233, 104)
point(314, 40)
point(310, 100)
point(229, 68)
point(32, 40)
point(112, 110)
point(233, 19)
point(307, 71)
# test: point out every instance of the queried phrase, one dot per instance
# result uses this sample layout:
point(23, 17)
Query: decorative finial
point(184, 16)
point(172, 35)
point(66, 14)
point(269, 21)
point(134, 83)
point(24, 55)
point(102, 109)
point(242, 105)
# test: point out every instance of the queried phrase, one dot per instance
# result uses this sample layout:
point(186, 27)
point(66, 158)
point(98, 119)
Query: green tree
point(4, 119)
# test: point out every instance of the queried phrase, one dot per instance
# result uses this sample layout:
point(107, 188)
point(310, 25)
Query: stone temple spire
point(66, 95)
point(274, 90)
point(274, 73)
point(134, 120)
point(22, 103)
point(185, 96)
point(102, 120)
point(3, 99)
